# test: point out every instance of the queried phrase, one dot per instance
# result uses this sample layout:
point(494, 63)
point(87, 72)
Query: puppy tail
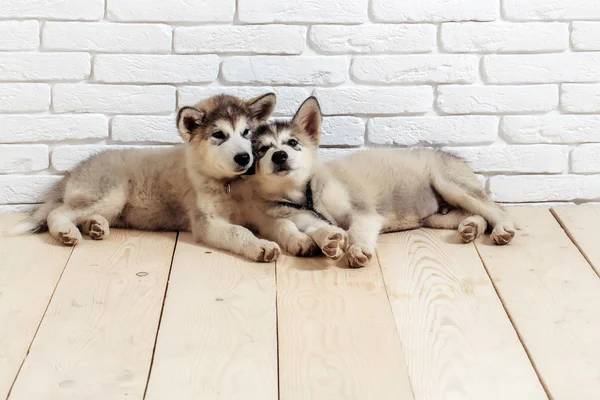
point(35, 221)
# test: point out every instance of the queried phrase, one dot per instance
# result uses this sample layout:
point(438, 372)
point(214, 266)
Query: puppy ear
point(262, 107)
point(188, 120)
point(308, 118)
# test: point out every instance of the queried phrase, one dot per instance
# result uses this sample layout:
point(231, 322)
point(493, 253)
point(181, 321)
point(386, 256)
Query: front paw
point(359, 256)
point(334, 242)
point(302, 246)
point(267, 251)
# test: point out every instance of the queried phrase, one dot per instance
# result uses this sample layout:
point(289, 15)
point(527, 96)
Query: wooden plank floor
point(146, 315)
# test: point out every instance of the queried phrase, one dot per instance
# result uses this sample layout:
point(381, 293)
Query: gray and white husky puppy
point(344, 204)
point(187, 187)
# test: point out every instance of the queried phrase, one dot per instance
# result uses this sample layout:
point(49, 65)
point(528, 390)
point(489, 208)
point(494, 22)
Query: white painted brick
point(410, 38)
point(435, 10)
point(288, 98)
point(25, 188)
point(343, 131)
point(261, 39)
point(585, 159)
point(171, 10)
point(364, 100)
point(23, 158)
point(409, 131)
point(107, 37)
point(501, 37)
point(547, 204)
point(19, 35)
point(340, 11)
point(580, 98)
point(44, 66)
point(146, 68)
point(23, 97)
point(113, 99)
point(416, 69)
point(145, 128)
point(31, 128)
point(16, 208)
point(461, 99)
point(333, 153)
point(551, 129)
point(545, 188)
point(286, 70)
point(542, 68)
point(585, 35)
point(65, 158)
point(541, 158)
point(88, 10)
point(547, 10)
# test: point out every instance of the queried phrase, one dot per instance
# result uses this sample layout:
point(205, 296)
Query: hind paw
point(96, 227)
point(69, 236)
point(334, 244)
point(359, 256)
point(503, 233)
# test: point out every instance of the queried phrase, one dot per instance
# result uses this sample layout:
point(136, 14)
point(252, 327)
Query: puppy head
point(286, 151)
point(218, 132)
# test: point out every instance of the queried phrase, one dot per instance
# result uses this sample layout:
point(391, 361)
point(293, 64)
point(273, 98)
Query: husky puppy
point(344, 204)
point(187, 187)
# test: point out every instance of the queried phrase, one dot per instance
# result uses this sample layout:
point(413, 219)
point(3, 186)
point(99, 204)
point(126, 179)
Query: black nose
point(242, 159)
point(279, 157)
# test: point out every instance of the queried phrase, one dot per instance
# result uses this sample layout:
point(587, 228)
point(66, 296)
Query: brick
point(42, 128)
point(333, 153)
point(19, 35)
point(551, 10)
point(65, 158)
point(416, 69)
point(580, 98)
point(171, 10)
point(24, 97)
point(107, 37)
point(435, 10)
point(334, 11)
point(542, 68)
point(362, 100)
point(286, 70)
point(551, 128)
point(260, 39)
point(113, 99)
point(501, 37)
point(23, 158)
point(44, 66)
point(342, 131)
point(542, 158)
point(145, 128)
point(409, 131)
point(16, 208)
point(25, 188)
point(585, 159)
point(461, 99)
point(288, 98)
point(88, 10)
point(545, 188)
point(340, 39)
point(585, 35)
point(546, 204)
point(145, 68)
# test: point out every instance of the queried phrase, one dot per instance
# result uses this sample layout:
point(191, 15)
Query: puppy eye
point(218, 135)
point(263, 149)
point(293, 143)
point(245, 133)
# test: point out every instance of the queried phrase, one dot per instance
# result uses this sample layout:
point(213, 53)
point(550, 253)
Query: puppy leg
point(329, 238)
point(96, 226)
point(61, 225)
point(286, 233)
point(362, 236)
point(95, 218)
point(470, 227)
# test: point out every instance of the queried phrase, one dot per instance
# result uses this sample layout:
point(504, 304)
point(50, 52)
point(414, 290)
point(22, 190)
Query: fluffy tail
point(35, 222)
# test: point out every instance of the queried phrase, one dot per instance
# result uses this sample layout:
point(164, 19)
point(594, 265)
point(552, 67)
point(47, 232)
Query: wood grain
point(553, 297)
point(217, 338)
point(96, 339)
point(581, 224)
point(458, 340)
point(30, 267)
point(337, 338)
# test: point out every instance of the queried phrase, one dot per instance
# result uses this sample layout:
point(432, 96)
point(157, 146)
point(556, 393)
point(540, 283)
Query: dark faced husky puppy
point(187, 187)
point(367, 192)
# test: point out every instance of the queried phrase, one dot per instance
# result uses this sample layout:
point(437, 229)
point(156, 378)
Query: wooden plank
point(553, 297)
point(217, 338)
point(458, 340)
point(581, 224)
point(337, 338)
point(30, 267)
point(97, 337)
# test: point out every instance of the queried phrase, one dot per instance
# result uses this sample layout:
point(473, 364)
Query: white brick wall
point(512, 86)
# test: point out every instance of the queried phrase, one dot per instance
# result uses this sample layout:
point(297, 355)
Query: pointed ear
point(308, 118)
point(262, 107)
point(188, 119)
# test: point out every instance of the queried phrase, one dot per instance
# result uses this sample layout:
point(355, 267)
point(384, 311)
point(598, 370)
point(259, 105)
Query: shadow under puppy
point(344, 204)
point(187, 187)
